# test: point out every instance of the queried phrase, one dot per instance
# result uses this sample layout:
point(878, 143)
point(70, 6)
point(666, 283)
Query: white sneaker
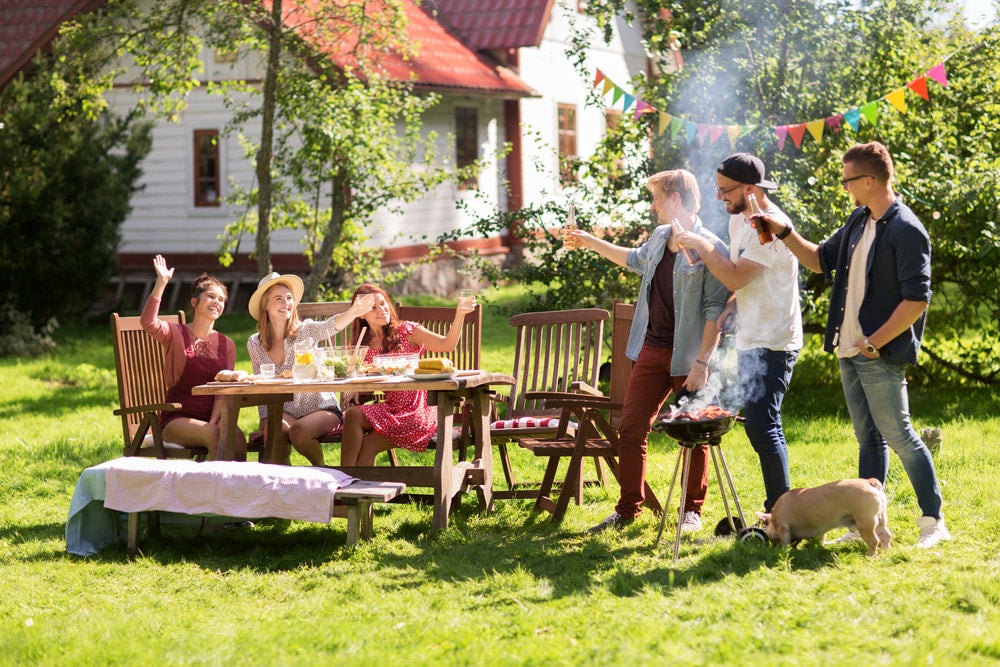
point(691, 522)
point(849, 536)
point(932, 531)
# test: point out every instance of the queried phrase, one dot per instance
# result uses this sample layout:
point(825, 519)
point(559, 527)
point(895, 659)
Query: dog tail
point(874, 482)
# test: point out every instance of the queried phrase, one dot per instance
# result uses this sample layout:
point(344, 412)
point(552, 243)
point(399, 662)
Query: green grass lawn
point(503, 588)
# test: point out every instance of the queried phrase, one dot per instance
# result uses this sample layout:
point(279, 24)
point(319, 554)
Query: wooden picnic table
point(446, 476)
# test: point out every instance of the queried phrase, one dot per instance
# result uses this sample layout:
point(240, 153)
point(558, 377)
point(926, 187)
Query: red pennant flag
point(782, 132)
point(600, 77)
point(919, 86)
point(796, 132)
point(938, 74)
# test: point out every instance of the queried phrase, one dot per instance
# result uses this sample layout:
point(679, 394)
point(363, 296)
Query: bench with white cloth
point(223, 488)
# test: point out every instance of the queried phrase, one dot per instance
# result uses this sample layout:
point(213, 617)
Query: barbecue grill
point(690, 434)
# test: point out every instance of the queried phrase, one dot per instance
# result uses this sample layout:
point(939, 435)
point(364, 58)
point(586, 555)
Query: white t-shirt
point(768, 306)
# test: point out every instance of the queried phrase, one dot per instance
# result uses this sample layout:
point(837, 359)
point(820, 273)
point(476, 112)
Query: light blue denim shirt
point(698, 296)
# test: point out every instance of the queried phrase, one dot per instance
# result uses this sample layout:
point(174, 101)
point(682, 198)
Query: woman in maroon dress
point(403, 419)
point(195, 352)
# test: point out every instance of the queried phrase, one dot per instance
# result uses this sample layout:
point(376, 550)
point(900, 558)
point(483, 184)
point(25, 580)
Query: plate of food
point(430, 377)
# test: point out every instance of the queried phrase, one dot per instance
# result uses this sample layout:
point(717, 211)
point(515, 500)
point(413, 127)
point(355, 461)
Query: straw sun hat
point(293, 283)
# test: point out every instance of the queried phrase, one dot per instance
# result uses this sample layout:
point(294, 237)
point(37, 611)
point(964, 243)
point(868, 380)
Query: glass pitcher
point(304, 367)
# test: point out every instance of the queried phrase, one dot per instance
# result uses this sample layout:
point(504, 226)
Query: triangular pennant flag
point(796, 132)
point(691, 129)
point(702, 133)
point(815, 128)
point(675, 126)
point(628, 102)
point(600, 77)
point(715, 132)
point(607, 86)
point(665, 119)
point(919, 86)
point(640, 108)
point(782, 133)
point(938, 74)
point(833, 122)
point(734, 133)
point(870, 111)
point(898, 98)
point(618, 95)
point(853, 118)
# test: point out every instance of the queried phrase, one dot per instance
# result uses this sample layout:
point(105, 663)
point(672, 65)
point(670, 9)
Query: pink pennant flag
point(782, 133)
point(833, 122)
point(702, 133)
point(600, 77)
point(938, 74)
point(919, 86)
point(715, 132)
point(733, 131)
point(640, 108)
point(796, 132)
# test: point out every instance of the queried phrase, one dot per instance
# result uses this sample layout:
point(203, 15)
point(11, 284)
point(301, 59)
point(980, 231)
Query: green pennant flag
point(618, 95)
point(870, 112)
point(675, 126)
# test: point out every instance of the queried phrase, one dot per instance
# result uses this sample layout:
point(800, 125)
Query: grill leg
point(732, 487)
point(670, 494)
point(680, 508)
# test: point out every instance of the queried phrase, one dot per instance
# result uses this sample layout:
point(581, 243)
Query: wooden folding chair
point(142, 390)
point(596, 436)
point(556, 352)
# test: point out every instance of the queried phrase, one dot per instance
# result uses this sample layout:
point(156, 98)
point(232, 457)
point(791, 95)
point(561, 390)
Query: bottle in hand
point(691, 255)
point(569, 241)
point(763, 233)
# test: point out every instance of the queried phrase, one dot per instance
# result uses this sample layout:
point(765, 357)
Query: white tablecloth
point(225, 488)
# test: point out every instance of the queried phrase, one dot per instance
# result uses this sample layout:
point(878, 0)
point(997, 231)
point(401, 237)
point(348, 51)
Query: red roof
point(489, 24)
point(440, 60)
point(27, 26)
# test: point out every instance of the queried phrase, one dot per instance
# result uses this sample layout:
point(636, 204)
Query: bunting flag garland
point(706, 132)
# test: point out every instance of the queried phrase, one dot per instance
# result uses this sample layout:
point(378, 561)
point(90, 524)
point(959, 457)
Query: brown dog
point(807, 514)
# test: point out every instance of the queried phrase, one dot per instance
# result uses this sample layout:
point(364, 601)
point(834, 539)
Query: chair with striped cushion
point(556, 353)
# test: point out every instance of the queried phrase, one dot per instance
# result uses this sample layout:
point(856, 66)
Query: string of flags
point(706, 132)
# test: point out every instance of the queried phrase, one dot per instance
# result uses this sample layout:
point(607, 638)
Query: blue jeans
point(877, 401)
point(764, 378)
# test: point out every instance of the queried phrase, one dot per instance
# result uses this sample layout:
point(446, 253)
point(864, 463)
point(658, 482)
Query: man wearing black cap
point(764, 280)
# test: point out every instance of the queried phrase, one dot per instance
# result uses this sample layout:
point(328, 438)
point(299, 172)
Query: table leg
point(444, 482)
point(228, 423)
point(275, 445)
point(481, 409)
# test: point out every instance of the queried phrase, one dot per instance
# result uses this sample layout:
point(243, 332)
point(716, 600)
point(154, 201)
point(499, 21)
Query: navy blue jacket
point(899, 269)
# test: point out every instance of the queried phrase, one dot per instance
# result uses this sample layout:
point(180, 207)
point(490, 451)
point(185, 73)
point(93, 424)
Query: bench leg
point(360, 525)
point(132, 542)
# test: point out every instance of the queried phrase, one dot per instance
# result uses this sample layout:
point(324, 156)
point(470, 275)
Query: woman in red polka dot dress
point(403, 419)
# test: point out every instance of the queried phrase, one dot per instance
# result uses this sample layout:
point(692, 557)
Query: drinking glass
point(466, 298)
point(267, 371)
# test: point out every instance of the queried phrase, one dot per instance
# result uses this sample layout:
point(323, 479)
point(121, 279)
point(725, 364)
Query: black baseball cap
point(746, 168)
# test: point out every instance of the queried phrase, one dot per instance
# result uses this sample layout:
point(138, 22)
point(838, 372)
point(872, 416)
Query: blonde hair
point(264, 323)
point(680, 181)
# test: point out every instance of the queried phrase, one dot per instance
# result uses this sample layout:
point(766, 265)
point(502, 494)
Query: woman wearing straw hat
point(195, 352)
point(274, 304)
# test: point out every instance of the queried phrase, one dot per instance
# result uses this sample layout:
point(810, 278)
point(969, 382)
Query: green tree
point(69, 170)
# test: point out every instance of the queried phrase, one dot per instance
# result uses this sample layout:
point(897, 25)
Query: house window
point(567, 143)
point(466, 143)
point(206, 167)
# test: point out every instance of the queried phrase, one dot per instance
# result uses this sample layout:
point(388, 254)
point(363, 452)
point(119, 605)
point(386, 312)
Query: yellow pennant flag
point(733, 132)
point(607, 86)
point(815, 128)
point(898, 99)
point(665, 120)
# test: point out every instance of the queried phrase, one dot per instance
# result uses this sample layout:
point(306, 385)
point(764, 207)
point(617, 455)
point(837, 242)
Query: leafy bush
point(19, 338)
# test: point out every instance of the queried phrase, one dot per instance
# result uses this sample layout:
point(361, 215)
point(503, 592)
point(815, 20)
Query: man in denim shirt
point(880, 266)
point(672, 339)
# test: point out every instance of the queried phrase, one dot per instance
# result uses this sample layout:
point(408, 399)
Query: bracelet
point(784, 234)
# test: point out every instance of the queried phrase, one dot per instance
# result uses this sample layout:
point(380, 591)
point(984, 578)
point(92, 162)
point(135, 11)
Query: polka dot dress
point(403, 418)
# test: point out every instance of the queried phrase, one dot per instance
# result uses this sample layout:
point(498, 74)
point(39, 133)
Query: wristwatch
point(869, 348)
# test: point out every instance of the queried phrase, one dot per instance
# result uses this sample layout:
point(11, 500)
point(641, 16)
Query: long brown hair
point(391, 339)
point(264, 323)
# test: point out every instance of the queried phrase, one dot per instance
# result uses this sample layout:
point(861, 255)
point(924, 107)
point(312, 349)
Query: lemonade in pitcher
point(304, 367)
